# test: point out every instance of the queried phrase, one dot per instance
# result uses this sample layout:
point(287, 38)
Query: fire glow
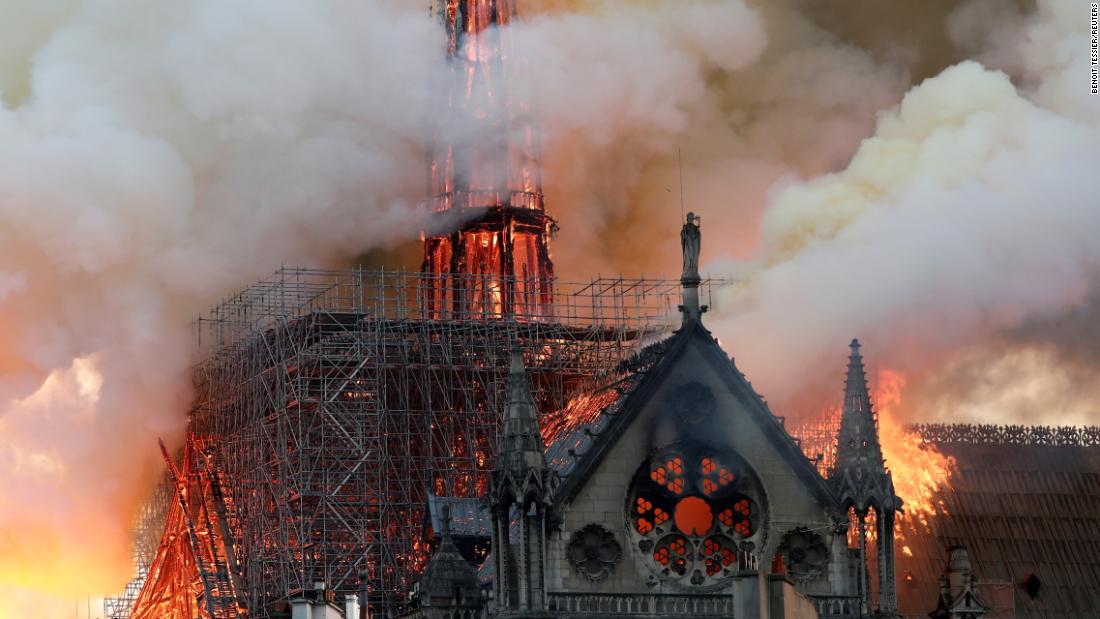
point(920, 471)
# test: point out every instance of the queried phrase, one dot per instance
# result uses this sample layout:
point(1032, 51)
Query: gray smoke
point(156, 155)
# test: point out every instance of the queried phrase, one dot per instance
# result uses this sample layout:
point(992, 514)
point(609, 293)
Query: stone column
point(864, 589)
point(887, 584)
point(500, 544)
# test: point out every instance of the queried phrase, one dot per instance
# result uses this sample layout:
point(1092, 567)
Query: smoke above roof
point(919, 179)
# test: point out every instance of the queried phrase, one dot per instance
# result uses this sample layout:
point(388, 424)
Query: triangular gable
point(612, 426)
point(968, 602)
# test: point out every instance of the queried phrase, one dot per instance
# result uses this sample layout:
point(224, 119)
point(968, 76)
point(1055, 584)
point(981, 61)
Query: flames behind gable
point(693, 409)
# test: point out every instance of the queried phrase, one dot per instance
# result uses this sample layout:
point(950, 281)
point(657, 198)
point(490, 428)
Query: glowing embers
point(688, 511)
point(482, 260)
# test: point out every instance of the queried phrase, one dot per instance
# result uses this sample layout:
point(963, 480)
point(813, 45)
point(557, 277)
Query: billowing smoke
point(914, 175)
point(962, 233)
point(156, 155)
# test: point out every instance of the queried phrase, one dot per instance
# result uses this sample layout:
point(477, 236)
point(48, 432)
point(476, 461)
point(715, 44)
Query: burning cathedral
point(481, 439)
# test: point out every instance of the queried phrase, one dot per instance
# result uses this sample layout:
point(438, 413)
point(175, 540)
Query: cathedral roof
point(576, 454)
point(469, 517)
point(572, 432)
point(1026, 504)
point(448, 573)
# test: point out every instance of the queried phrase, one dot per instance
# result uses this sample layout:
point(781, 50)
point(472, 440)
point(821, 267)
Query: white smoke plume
point(748, 94)
point(969, 215)
point(154, 156)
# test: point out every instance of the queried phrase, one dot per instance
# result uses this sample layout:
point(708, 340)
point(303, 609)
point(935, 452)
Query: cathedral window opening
point(853, 528)
point(693, 516)
point(688, 511)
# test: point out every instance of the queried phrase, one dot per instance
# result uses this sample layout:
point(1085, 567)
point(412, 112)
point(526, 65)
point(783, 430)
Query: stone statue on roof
point(690, 243)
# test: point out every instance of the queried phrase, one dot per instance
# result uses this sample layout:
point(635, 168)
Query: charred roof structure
point(1023, 500)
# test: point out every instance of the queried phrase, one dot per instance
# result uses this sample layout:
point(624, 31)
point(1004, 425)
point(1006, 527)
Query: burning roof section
point(571, 433)
point(1025, 502)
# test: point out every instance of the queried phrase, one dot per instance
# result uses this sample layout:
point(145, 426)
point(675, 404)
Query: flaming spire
point(483, 171)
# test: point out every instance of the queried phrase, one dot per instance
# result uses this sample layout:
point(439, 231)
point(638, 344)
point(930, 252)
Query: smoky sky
point(912, 174)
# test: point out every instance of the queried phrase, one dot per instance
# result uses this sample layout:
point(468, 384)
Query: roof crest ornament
point(690, 244)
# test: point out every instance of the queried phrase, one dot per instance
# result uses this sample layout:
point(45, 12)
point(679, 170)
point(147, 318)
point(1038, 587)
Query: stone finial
point(445, 522)
point(690, 243)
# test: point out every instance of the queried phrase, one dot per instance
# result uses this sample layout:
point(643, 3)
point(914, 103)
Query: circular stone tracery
point(689, 509)
point(594, 552)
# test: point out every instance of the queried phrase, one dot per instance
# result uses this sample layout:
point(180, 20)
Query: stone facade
point(684, 497)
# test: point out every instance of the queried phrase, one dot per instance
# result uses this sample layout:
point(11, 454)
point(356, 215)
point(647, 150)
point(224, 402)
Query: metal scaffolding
point(332, 401)
point(818, 438)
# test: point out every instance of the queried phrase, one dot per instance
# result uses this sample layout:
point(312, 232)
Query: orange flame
point(919, 469)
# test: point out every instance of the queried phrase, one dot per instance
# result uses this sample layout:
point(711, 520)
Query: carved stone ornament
point(806, 554)
point(594, 552)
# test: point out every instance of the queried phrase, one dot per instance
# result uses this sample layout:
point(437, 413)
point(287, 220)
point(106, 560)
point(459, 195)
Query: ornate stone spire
point(521, 450)
point(862, 482)
point(858, 453)
point(518, 494)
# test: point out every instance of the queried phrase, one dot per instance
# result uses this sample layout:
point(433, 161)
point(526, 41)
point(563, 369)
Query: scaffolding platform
point(333, 401)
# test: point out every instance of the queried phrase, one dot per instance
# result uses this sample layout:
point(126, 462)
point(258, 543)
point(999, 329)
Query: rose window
point(688, 512)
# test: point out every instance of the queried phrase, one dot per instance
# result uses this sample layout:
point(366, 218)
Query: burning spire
point(483, 171)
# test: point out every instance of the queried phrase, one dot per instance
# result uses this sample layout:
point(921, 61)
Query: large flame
point(921, 472)
point(919, 469)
